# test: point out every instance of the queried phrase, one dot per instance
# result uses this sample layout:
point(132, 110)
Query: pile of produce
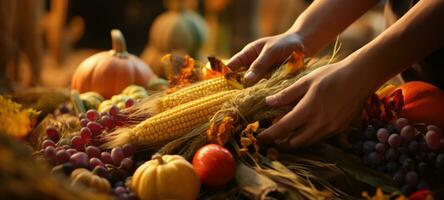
point(196, 138)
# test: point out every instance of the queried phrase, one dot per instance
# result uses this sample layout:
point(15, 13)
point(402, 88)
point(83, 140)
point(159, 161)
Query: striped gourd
point(196, 91)
point(177, 121)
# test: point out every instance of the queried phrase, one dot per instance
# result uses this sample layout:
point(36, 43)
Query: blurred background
point(42, 42)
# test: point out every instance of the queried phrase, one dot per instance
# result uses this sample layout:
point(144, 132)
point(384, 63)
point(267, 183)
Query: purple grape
point(71, 151)
point(368, 146)
point(381, 148)
point(117, 155)
point(114, 110)
point(411, 178)
point(129, 103)
point(119, 190)
point(439, 161)
point(413, 146)
point(107, 122)
point(95, 128)
point(93, 162)
point(85, 134)
point(375, 158)
point(47, 143)
point(423, 146)
point(431, 157)
point(84, 122)
point(394, 140)
point(92, 115)
point(79, 159)
point(403, 149)
point(383, 135)
point(77, 142)
point(409, 164)
point(433, 139)
point(50, 153)
point(128, 150)
point(398, 178)
point(370, 133)
point(93, 152)
point(106, 157)
point(401, 122)
point(434, 128)
point(403, 157)
point(423, 168)
point(392, 167)
point(420, 156)
point(62, 156)
point(127, 164)
point(53, 134)
point(408, 133)
point(392, 154)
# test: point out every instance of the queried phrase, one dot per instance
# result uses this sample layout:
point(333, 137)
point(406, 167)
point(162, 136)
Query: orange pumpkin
point(423, 103)
point(109, 72)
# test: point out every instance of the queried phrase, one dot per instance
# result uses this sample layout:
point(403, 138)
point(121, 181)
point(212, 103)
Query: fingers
point(286, 124)
point(288, 95)
point(305, 137)
point(246, 56)
point(260, 66)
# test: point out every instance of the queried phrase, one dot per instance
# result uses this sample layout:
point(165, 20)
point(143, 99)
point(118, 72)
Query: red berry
point(62, 156)
point(86, 134)
point(71, 151)
point(93, 152)
point(53, 134)
point(95, 128)
point(106, 157)
point(129, 103)
point(47, 143)
point(77, 143)
point(107, 122)
point(50, 153)
point(84, 122)
point(128, 150)
point(114, 110)
point(79, 159)
point(93, 162)
point(127, 164)
point(117, 155)
point(92, 115)
point(433, 139)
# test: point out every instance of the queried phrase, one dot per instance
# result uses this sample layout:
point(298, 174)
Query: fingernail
point(250, 75)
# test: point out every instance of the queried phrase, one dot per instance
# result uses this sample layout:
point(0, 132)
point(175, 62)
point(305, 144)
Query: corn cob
point(196, 91)
point(174, 122)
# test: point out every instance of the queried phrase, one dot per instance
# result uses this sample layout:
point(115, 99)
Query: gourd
point(109, 72)
point(423, 103)
point(91, 100)
point(166, 177)
point(84, 177)
point(175, 31)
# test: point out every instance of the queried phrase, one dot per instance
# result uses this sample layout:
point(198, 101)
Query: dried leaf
point(188, 73)
point(221, 133)
point(247, 138)
point(296, 63)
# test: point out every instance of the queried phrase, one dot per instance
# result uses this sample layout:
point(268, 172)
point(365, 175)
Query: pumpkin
point(86, 178)
point(109, 72)
point(175, 31)
point(423, 103)
point(166, 177)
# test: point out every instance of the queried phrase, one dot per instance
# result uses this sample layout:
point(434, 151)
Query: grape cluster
point(82, 151)
point(414, 158)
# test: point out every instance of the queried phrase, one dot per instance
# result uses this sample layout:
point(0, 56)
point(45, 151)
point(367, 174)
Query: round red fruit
point(214, 164)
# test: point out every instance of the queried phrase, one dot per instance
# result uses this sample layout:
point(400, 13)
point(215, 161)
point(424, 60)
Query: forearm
point(323, 20)
point(418, 33)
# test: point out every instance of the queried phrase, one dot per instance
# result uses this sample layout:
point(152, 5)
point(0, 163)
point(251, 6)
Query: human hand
point(327, 100)
point(264, 54)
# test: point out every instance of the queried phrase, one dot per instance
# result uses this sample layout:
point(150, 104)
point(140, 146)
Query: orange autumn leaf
point(221, 133)
point(218, 68)
point(188, 73)
point(247, 138)
point(295, 63)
